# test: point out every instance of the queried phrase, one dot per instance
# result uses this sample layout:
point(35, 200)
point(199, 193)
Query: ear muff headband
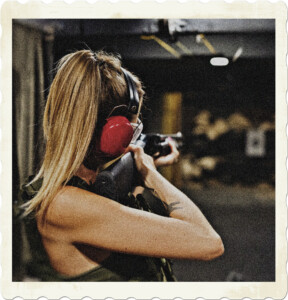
point(133, 101)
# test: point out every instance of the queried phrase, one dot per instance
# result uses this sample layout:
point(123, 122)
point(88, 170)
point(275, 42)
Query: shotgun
point(116, 181)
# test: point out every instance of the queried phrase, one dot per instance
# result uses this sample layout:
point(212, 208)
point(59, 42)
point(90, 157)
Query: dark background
point(238, 195)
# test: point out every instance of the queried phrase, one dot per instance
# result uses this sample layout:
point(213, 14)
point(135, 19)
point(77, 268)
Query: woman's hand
point(170, 158)
point(144, 163)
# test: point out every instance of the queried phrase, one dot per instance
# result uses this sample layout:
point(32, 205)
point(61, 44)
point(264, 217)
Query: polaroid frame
point(144, 290)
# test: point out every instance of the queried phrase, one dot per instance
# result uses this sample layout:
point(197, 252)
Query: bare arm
point(83, 217)
point(177, 204)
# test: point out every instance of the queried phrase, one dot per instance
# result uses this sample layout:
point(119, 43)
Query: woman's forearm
point(199, 234)
point(177, 204)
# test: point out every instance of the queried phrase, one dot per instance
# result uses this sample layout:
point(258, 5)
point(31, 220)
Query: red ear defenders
point(116, 135)
point(117, 132)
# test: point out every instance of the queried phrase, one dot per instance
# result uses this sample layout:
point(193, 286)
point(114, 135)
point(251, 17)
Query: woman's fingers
point(173, 146)
point(170, 158)
point(135, 149)
point(144, 162)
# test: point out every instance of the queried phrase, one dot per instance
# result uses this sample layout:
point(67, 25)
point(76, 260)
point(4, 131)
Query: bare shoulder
point(73, 205)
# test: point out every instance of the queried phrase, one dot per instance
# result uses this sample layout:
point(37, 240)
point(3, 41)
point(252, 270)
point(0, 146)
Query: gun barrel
point(175, 136)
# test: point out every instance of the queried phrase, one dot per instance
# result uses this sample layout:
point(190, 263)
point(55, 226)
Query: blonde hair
point(87, 85)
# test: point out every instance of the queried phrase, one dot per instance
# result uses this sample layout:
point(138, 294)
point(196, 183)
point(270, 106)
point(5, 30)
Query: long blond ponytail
point(84, 83)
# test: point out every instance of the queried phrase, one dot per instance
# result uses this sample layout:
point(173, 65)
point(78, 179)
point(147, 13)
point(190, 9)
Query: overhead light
point(237, 54)
point(219, 61)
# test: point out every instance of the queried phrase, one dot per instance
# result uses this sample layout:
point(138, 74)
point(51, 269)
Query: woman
point(90, 237)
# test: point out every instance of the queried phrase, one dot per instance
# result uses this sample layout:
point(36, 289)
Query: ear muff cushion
point(116, 135)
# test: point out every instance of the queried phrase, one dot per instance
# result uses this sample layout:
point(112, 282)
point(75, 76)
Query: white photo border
point(147, 9)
